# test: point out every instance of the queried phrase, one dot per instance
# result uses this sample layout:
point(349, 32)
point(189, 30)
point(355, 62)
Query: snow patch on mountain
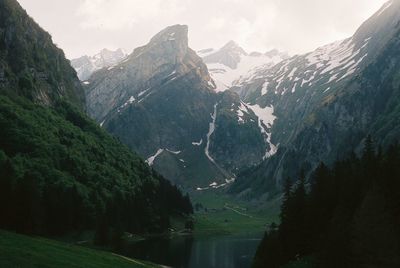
point(242, 109)
point(231, 62)
point(173, 152)
point(128, 102)
point(197, 143)
point(150, 160)
point(266, 119)
point(264, 88)
point(210, 132)
point(215, 185)
point(327, 64)
point(225, 76)
point(266, 115)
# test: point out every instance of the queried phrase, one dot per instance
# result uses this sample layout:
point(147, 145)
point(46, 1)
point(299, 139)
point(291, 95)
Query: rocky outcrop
point(238, 141)
point(30, 64)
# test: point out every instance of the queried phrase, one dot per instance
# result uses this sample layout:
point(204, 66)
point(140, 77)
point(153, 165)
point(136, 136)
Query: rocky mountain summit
point(161, 101)
point(166, 58)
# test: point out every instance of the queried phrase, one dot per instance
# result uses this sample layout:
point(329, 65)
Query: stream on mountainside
point(230, 251)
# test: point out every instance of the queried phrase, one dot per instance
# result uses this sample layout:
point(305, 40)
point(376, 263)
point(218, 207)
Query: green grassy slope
point(222, 214)
point(23, 251)
point(307, 262)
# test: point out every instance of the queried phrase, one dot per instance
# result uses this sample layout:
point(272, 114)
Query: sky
point(84, 27)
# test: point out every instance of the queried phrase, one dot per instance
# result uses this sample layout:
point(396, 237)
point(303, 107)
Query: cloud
point(85, 26)
point(303, 25)
point(120, 14)
point(296, 26)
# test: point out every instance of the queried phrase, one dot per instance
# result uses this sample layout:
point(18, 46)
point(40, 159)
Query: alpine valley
point(61, 175)
point(220, 158)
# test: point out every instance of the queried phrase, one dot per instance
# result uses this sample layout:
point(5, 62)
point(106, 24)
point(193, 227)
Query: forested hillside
point(348, 216)
point(59, 171)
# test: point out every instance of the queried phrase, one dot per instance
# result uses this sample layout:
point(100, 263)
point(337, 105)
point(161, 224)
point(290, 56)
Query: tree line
point(347, 215)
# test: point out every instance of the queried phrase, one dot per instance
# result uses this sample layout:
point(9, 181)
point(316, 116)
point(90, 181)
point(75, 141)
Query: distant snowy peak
point(232, 62)
point(107, 56)
point(85, 66)
point(233, 49)
point(322, 68)
point(229, 55)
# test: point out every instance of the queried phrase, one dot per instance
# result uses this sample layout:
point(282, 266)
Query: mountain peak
point(105, 50)
point(382, 25)
point(164, 59)
point(231, 43)
point(230, 55)
point(176, 33)
point(232, 46)
point(171, 44)
point(108, 56)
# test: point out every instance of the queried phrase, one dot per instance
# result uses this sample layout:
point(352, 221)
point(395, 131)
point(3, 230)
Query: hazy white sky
point(86, 26)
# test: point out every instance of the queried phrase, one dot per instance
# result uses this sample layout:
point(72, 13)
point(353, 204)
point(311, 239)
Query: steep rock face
point(161, 102)
point(30, 64)
point(167, 56)
point(85, 66)
point(172, 120)
point(238, 140)
point(328, 101)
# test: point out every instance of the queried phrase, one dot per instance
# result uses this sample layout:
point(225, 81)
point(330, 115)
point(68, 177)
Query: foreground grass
point(224, 215)
point(26, 252)
point(306, 262)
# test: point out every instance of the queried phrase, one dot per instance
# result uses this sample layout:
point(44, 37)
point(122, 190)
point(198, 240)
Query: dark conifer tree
point(349, 218)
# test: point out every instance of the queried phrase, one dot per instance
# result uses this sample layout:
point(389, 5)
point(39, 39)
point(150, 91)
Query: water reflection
point(189, 252)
